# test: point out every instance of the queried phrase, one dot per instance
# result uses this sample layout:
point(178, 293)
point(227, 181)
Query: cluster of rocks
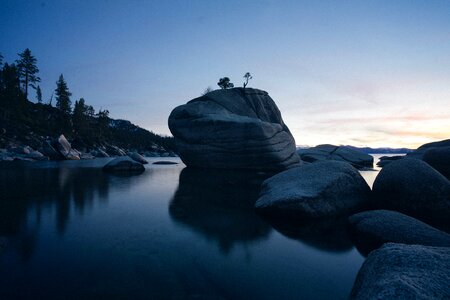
point(243, 129)
point(354, 157)
point(61, 149)
point(436, 154)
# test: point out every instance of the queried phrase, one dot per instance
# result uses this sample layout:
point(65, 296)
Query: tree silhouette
point(38, 94)
point(247, 77)
point(207, 90)
point(27, 68)
point(225, 83)
point(63, 95)
point(11, 95)
point(1, 60)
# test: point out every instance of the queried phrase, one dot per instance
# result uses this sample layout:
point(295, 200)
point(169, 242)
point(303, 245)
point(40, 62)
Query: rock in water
point(371, 229)
point(398, 271)
point(137, 157)
point(318, 190)
point(123, 164)
point(356, 158)
point(233, 129)
point(66, 150)
point(413, 187)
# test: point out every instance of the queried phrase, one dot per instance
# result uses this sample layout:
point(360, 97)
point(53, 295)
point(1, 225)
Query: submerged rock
point(233, 129)
point(398, 271)
point(137, 157)
point(165, 162)
point(354, 157)
point(123, 164)
point(413, 187)
point(371, 229)
point(317, 190)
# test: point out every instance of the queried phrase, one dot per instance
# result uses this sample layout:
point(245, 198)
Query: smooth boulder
point(439, 158)
point(419, 152)
point(317, 190)
point(137, 157)
point(233, 129)
point(123, 164)
point(398, 271)
point(66, 150)
point(413, 187)
point(372, 229)
point(354, 157)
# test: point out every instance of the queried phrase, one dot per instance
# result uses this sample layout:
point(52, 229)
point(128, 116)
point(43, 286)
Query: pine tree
point(10, 94)
point(38, 94)
point(79, 116)
point(63, 95)
point(27, 68)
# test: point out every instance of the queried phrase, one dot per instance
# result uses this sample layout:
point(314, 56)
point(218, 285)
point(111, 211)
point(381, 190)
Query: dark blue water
point(70, 231)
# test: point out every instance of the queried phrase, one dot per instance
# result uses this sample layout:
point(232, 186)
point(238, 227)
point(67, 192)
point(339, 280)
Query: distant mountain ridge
point(370, 150)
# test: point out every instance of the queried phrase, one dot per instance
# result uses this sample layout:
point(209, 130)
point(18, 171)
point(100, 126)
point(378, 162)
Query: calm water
point(70, 231)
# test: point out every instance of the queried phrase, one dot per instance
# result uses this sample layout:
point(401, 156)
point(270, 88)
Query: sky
point(362, 73)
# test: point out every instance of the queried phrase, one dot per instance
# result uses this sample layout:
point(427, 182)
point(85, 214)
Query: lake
point(70, 231)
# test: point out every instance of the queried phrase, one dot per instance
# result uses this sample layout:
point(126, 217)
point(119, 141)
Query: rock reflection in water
point(219, 204)
point(329, 234)
point(26, 192)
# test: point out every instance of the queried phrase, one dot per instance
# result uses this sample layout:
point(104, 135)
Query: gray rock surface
point(317, 190)
point(340, 153)
point(398, 271)
point(137, 157)
point(233, 129)
point(123, 164)
point(371, 229)
point(439, 158)
point(413, 187)
point(66, 150)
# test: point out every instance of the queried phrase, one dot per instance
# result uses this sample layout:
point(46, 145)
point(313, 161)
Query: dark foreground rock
point(340, 153)
point(137, 157)
point(398, 271)
point(233, 129)
point(123, 164)
point(315, 190)
point(371, 229)
point(413, 187)
point(439, 158)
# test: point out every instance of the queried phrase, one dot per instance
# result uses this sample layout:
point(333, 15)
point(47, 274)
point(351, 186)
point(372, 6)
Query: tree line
point(16, 80)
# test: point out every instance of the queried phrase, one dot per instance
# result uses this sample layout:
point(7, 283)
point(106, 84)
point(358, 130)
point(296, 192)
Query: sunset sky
point(365, 73)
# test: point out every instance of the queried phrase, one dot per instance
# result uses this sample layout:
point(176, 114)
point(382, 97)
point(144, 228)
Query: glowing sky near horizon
point(365, 73)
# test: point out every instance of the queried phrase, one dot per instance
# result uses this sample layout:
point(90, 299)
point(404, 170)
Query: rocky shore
point(59, 148)
point(402, 223)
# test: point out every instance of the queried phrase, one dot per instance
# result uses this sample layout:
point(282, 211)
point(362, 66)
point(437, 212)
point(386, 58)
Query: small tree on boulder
point(225, 83)
point(247, 77)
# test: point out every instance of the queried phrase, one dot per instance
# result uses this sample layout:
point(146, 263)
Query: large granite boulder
point(317, 190)
point(124, 164)
point(340, 153)
point(233, 129)
point(371, 229)
point(439, 158)
point(413, 187)
point(398, 271)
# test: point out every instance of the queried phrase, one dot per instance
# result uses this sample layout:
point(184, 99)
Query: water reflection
point(329, 234)
point(25, 192)
point(219, 205)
